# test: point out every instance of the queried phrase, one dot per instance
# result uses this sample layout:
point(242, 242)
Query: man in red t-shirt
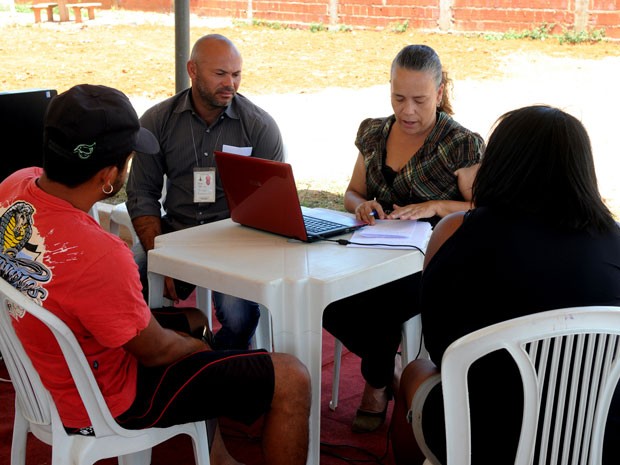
point(153, 368)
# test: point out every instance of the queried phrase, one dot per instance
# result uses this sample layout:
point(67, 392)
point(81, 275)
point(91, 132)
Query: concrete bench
point(77, 10)
point(38, 7)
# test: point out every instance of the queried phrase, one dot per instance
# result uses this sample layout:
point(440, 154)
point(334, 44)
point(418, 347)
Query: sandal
point(367, 422)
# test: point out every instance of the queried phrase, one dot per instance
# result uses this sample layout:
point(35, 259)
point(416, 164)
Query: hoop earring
point(107, 192)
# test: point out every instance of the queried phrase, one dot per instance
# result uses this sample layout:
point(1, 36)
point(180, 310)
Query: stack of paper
point(393, 234)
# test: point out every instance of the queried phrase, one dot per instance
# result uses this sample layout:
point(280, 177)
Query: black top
point(499, 266)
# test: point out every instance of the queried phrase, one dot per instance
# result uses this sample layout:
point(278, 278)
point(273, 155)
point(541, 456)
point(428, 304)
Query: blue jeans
point(238, 317)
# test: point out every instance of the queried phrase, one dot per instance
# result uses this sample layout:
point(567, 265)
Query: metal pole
point(181, 43)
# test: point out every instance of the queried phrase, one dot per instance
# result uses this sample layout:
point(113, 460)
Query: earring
point(107, 192)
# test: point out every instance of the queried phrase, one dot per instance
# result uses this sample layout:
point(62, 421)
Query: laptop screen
point(262, 194)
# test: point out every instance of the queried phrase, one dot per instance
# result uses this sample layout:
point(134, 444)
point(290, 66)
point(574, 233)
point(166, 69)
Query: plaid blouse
point(429, 174)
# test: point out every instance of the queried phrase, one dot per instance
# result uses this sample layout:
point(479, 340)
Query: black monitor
point(21, 128)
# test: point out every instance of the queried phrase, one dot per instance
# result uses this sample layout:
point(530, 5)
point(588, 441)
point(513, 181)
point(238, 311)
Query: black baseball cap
point(94, 124)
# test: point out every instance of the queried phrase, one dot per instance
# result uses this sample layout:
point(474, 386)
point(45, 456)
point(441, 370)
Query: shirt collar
point(185, 104)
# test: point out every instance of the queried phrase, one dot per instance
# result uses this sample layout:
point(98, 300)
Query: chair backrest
point(33, 397)
point(568, 361)
point(30, 394)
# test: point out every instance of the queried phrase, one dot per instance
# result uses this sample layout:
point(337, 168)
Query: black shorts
point(236, 384)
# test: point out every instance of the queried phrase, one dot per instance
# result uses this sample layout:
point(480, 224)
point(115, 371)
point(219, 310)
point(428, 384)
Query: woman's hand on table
point(370, 211)
point(414, 211)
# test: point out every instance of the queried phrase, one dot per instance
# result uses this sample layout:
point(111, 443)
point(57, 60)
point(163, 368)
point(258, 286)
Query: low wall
point(431, 15)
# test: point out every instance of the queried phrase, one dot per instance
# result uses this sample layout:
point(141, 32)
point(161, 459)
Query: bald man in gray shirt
point(190, 126)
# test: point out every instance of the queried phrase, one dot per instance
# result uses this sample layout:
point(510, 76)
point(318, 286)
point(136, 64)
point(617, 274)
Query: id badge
point(204, 185)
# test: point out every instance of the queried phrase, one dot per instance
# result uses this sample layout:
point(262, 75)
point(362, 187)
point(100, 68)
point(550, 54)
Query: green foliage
point(19, 8)
point(22, 8)
point(570, 36)
point(399, 27)
point(543, 32)
point(313, 27)
point(317, 27)
point(270, 24)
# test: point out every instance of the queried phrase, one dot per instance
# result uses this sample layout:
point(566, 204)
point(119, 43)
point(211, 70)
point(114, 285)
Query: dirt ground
point(135, 52)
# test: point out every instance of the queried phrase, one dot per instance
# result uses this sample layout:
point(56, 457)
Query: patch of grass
point(543, 32)
point(399, 27)
point(23, 8)
point(570, 36)
point(317, 27)
point(276, 25)
point(270, 24)
point(321, 199)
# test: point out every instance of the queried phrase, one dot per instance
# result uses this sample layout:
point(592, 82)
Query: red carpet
point(244, 443)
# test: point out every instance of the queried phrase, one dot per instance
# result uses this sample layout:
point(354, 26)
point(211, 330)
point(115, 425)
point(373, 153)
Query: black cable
point(378, 244)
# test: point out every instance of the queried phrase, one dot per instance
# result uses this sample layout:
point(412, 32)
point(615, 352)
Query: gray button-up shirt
point(187, 143)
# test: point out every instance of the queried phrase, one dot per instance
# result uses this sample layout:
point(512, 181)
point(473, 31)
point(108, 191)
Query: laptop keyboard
point(318, 225)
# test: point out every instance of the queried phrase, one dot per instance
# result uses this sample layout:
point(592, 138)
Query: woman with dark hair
point(409, 167)
point(539, 238)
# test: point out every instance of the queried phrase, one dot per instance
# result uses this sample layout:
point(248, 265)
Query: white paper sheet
point(393, 234)
point(245, 151)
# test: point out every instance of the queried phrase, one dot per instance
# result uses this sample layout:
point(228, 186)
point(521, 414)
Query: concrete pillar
point(581, 15)
point(446, 19)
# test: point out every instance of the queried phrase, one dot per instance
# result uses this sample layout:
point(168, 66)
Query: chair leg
point(262, 338)
point(202, 443)
point(137, 458)
point(412, 340)
point(204, 302)
point(336, 377)
point(411, 346)
point(20, 436)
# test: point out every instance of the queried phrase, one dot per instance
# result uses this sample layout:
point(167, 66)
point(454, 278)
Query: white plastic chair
point(36, 412)
point(412, 346)
point(568, 360)
point(119, 216)
point(262, 336)
point(94, 212)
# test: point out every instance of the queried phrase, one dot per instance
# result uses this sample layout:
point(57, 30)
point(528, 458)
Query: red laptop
point(262, 194)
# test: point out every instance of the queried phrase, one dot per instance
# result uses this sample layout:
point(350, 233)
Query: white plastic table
point(294, 280)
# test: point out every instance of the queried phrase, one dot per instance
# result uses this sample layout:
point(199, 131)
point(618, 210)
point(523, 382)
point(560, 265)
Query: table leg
point(156, 290)
point(304, 347)
point(300, 333)
point(314, 340)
